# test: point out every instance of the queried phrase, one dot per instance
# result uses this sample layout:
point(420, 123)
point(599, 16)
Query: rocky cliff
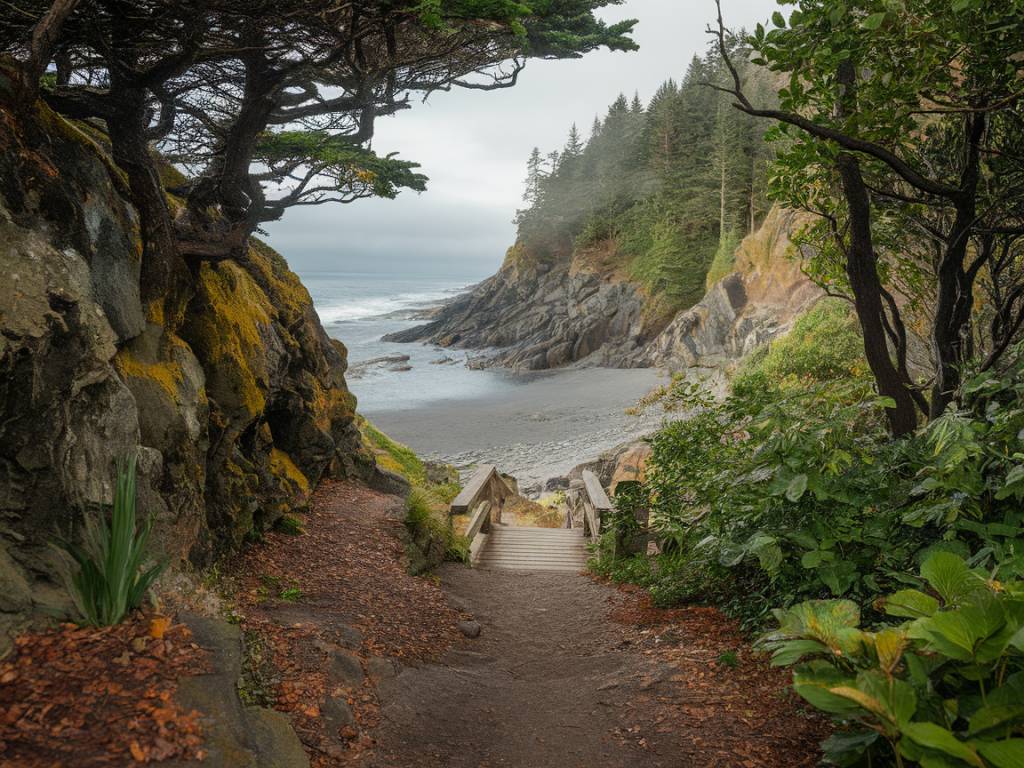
point(231, 394)
point(757, 301)
point(582, 309)
point(539, 313)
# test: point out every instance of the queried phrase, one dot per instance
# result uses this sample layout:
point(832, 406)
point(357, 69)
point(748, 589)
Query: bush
point(796, 491)
point(944, 689)
point(823, 345)
point(107, 578)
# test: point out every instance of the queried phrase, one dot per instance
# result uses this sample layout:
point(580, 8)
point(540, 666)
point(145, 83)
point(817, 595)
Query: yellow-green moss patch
point(281, 465)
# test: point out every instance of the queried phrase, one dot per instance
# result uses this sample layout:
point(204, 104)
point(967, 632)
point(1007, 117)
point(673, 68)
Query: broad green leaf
point(816, 687)
point(936, 737)
point(792, 651)
point(778, 20)
point(949, 575)
point(889, 647)
point(796, 488)
point(874, 21)
point(995, 716)
point(838, 577)
point(1003, 754)
point(909, 603)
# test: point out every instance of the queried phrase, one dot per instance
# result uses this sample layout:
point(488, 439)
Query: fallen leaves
point(351, 571)
point(79, 696)
point(742, 715)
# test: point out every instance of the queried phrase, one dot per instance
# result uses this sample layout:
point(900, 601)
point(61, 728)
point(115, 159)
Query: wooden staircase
point(519, 548)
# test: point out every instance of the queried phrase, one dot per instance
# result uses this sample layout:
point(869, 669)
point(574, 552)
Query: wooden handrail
point(484, 498)
point(588, 503)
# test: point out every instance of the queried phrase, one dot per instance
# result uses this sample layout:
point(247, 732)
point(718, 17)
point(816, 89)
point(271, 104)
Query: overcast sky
point(473, 146)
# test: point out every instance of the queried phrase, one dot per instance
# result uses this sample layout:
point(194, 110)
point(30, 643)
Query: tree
point(890, 127)
point(272, 105)
point(534, 176)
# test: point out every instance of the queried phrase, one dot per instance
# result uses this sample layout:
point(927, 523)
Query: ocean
point(359, 308)
point(533, 425)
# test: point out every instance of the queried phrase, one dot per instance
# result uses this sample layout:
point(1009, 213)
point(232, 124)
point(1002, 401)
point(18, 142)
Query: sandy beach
point(537, 428)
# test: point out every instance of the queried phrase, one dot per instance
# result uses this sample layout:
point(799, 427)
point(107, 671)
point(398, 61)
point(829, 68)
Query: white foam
point(346, 311)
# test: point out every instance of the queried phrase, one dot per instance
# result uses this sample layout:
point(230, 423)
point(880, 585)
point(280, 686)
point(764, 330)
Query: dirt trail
point(567, 671)
point(555, 680)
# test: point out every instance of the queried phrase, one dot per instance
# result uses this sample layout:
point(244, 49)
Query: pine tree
point(534, 176)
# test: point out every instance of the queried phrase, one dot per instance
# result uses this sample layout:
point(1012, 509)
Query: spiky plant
point(106, 577)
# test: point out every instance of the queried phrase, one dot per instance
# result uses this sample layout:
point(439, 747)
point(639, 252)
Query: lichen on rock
point(232, 394)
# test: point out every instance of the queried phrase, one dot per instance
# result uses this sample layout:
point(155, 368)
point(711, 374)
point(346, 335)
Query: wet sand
point(538, 429)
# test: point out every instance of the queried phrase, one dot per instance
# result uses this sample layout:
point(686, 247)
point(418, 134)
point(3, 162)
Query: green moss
point(393, 456)
point(226, 332)
point(282, 466)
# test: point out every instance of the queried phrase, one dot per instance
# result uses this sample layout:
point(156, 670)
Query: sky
point(473, 146)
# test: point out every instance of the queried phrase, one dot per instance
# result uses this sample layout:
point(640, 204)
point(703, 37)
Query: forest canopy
point(676, 182)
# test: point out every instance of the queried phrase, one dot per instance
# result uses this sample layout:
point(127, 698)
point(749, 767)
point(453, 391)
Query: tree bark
point(862, 271)
point(44, 39)
point(955, 296)
point(161, 263)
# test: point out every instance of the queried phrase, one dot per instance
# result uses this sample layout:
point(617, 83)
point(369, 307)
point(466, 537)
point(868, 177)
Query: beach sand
point(539, 429)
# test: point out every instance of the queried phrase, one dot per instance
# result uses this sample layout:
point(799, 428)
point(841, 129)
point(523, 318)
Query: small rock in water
point(470, 629)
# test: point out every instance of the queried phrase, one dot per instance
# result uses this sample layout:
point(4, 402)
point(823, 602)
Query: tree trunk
point(44, 39)
point(862, 271)
point(161, 264)
point(955, 297)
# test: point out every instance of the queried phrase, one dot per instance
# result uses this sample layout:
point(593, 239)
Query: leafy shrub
point(788, 493)
point(424, 511)
point(823, 345)
point(107, 578)
point(944, 689)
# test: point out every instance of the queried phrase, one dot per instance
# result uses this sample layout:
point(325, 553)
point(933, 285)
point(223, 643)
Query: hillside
point(625, 231)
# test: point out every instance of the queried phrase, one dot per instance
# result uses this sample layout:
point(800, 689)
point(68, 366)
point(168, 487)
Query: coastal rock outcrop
point(546, 312)
point(232, 395)
point(540, 313)
point(756, 302)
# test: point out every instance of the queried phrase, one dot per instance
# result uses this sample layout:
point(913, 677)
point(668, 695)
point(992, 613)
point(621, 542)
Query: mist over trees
point(676, 183)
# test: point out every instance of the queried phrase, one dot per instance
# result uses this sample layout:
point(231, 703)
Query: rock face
point(539, 313)
point(752, 305)
point(233, 396)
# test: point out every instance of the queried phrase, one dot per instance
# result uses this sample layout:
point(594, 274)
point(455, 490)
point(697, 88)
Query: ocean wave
point(354, 310)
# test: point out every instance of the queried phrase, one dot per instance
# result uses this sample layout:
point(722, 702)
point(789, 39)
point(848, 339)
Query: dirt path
point(568, 672)
point(368, 664)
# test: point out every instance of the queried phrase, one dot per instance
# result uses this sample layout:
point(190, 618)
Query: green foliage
point(393, 455)
point(425, 512)
point(671, 185)
point(791, 488)
point(729, 659)
point(945, 688)
point(824, 345)
point(290, 525)
point(290, 594)
point(108, 577)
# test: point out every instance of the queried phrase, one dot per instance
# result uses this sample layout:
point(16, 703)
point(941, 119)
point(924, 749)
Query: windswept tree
point(270, 105)
point(906, 130)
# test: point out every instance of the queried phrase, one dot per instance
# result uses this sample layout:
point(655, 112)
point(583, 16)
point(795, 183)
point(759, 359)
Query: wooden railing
point(586, 504)
point(484, 499)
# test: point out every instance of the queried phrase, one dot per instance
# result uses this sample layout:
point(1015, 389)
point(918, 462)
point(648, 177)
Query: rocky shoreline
point(573, 312)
